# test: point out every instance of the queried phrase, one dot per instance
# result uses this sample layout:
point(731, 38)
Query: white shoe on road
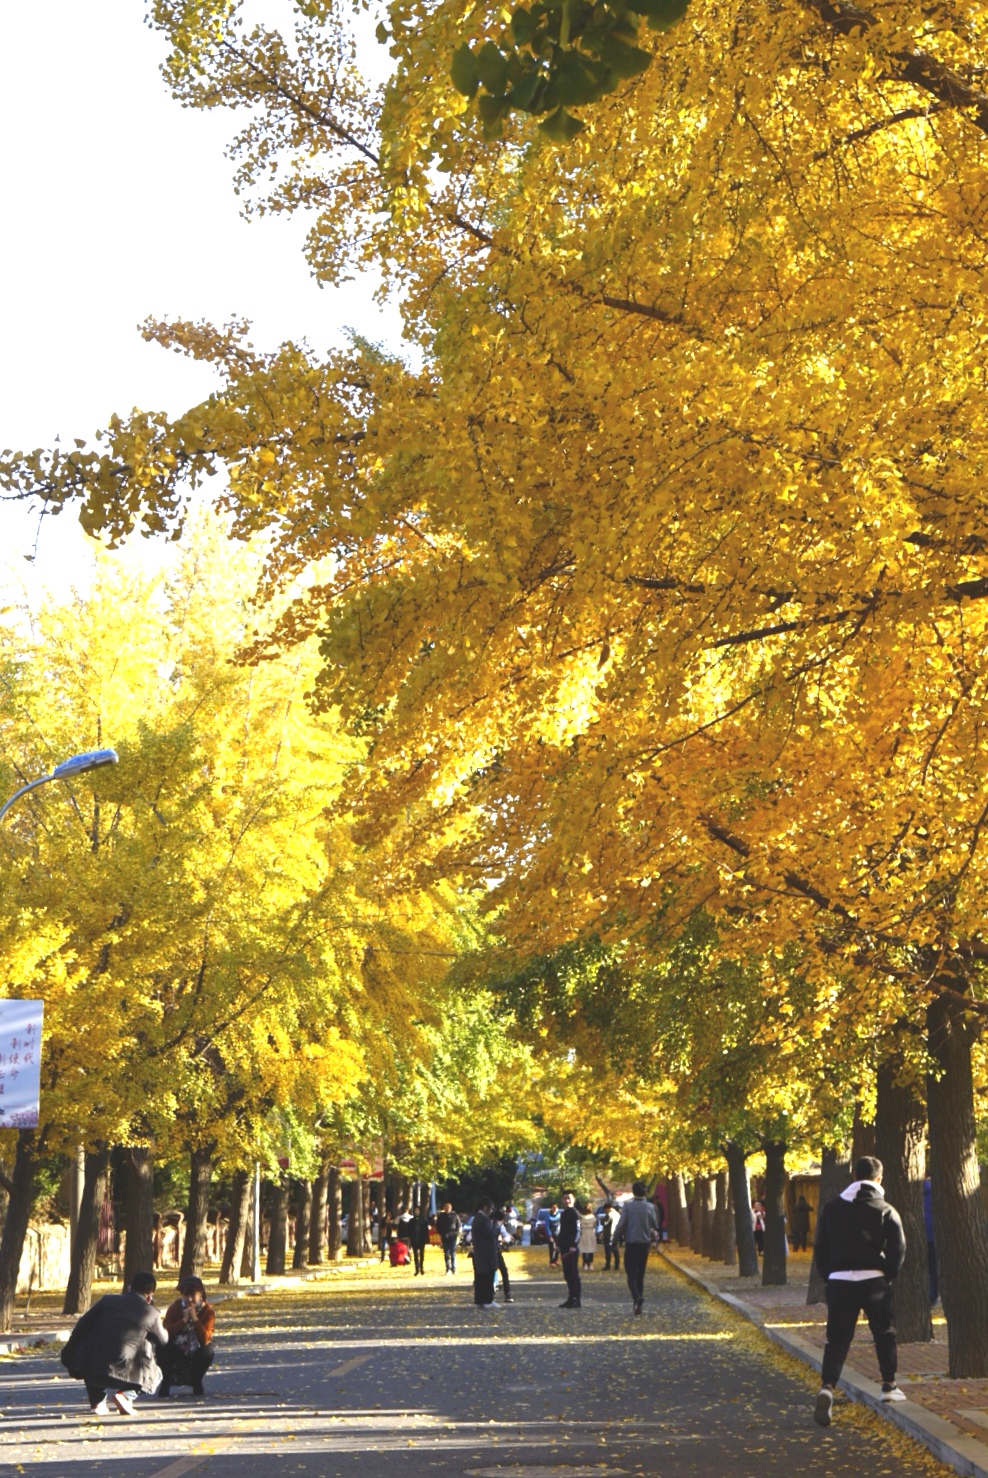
point(101, 1408)
point(824, 1406)
point(891, 1392)
point(124, 1403)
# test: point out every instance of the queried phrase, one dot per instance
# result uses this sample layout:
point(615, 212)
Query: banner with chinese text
point(20, 1063)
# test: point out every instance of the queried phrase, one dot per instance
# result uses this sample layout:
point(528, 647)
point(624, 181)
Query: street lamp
point(92, 759)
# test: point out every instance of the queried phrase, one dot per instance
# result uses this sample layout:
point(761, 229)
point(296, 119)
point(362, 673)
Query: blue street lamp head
point(92, 759)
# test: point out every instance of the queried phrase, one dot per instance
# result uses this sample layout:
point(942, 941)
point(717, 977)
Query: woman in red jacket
point(190, 1321)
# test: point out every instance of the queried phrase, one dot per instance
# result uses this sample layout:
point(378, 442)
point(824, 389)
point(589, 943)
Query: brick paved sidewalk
point(922, 1368)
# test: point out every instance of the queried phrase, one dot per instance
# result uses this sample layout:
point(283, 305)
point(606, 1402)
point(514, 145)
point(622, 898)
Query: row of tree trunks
point(303, 1217)
point(317, 1218)
point(835, 1174)
point(278, 1231)
point(900, 1144)
point(82, 1268)
point(677, 1210)
point(236, 1232)
point(744, 1224)
point(20, 1190)
point(197, 1219)
point(776, 1247)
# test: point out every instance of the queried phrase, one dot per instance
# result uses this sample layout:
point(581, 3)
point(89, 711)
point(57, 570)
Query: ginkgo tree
point(666, 569)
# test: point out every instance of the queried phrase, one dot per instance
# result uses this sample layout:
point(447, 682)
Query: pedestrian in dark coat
point(109, 1349)
point(485, 1248)
point(419, 1234)
point(801, 1224)
point(859, 1249)
point(569, 1251)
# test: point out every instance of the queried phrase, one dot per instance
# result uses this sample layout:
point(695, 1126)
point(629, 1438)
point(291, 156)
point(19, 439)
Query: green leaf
point(624, 60)
point(561, 127)
point(527, 95)
point(523, 25)
point(463, 71)
point(492, 67)
point(382, 33)
point(662, 15)
point(578, 79)
point(492, 110)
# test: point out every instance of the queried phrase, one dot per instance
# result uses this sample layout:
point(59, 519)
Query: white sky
point(119, 205)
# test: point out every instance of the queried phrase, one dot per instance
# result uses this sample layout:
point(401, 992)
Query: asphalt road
point(382, 1374)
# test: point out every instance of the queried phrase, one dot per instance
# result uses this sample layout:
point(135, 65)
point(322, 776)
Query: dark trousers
point(571, 1272)
point(635, 1261)
point(483, 1287)
point(612, 1252)
point(418, 1254)
point(449, 1253)
point(588, 1261)
point(845, 1301)
point(184, 1370)
point(502, 1268)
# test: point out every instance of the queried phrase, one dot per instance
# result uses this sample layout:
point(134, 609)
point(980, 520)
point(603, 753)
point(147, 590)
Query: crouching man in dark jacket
point(859, 1249)
point(109, 1350)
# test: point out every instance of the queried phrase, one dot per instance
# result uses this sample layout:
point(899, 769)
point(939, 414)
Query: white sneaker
point(101, 1408)
point(124, 1403)
point(824, 1406)
point(488, 1306)
point(892, 1393)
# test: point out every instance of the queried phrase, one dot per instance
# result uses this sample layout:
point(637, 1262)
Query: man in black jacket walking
point(859, 1249)
point(569, 1250)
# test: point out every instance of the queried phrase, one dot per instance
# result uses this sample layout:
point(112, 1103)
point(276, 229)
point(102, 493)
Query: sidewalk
point(949, 1416)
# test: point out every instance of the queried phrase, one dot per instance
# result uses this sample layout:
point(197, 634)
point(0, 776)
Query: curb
point(966, 1455)
point(14, 1345)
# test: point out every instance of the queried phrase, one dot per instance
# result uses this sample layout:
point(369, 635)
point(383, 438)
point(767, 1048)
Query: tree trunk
point(20, 1200)
point(723, 1243)
point(708, 1213)
point(744, 1223)
point(303, 1214)
point(247, 1255)
point(835, 1175)
point(776, 1247)
point(236, 1232)
point(334, 1207)
point(355, 1221)
point(278, 1235)
point(365, 1202)
point(729, 1233)
point(317, 1217)
point(696, 1217)
point(82, 1270)
point(900, 1143)
point(197, 1220)
point(138, 1209)
point(862, 1136)
point(958, 1215)
point(679, 1217)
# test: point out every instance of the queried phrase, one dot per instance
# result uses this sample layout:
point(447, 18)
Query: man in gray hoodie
point(637, 1228)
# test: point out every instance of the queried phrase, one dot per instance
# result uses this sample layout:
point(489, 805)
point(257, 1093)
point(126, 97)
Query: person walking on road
point(419, 1233)
point(448, 1225)
point(504, 1239)
point(611, 1217)
point(189, 1323)
point(801, 1224)
point(638, 1228)
point(588, 1236)
point(108, 1349)
point(859, 1249)
point(484, 1245)
point(569, 1251)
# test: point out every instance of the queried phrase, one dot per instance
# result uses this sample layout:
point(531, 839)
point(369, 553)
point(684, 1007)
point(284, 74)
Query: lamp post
point(79, 764)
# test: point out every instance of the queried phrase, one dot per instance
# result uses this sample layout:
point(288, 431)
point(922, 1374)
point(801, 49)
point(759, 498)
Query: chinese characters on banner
point(20, 1063)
